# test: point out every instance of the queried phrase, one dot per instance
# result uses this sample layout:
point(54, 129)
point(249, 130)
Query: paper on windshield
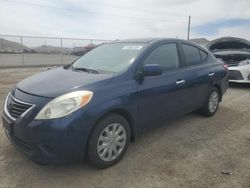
point(132, 47)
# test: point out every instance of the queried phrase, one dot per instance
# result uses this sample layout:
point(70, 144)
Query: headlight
point(64, 105)
point(244, 62)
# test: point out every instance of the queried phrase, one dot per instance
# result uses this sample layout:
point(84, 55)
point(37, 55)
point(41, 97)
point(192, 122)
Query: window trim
point(184, 59)
point(203, 62)
point(159, 45)
point(185, 64)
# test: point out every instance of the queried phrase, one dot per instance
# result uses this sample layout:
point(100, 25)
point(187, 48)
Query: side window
point(166, 56)
point(203, 56)
point(191, 54)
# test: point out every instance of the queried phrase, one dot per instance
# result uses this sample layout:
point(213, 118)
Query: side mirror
point(152, 70)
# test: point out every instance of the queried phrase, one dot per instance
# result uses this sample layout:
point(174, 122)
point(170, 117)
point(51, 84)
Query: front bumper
point(49, 141)
point(239, 74)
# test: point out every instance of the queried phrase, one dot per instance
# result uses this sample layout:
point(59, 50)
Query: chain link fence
point(18, 51)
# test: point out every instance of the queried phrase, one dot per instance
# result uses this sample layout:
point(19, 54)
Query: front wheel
point(108, 142)
point(212, 103)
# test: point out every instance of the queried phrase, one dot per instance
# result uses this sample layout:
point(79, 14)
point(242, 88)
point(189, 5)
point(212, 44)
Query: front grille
point(235, 75)
point(16, 108)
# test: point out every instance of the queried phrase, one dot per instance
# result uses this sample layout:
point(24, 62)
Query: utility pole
point(21, 40)
point(61, 43)
point(189, 21)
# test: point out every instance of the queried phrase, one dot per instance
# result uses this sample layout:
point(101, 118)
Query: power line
point(83, 12)
point(92, 12)
point(140, 10)
point(52, 37)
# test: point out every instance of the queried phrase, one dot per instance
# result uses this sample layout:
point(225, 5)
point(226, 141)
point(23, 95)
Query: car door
point(162, 96)
point(198, 75)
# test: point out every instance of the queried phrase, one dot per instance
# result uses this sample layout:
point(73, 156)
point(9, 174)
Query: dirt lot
point(15, 60)
point(191, 151)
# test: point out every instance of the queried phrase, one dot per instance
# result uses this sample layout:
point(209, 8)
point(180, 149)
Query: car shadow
point(162, 148)
point(184, 132)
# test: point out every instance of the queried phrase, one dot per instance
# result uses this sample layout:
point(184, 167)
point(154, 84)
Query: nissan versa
point(92, 108)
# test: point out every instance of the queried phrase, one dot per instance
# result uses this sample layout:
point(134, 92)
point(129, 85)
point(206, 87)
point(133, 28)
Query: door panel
point(197, 70)
point(200, 85)
point(161, 98)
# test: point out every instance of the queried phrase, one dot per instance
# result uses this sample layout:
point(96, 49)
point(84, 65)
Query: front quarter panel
point(121, 94)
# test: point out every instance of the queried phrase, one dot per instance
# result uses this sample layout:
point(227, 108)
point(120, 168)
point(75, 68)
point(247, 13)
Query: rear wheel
point(212, 103)
point(108, 142)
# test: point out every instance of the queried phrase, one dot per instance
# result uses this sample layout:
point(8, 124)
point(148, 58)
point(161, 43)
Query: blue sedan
point(92, 108)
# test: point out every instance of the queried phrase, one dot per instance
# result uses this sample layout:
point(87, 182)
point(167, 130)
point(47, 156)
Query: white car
point(238, 63)
point(240, 73)
point(235, 53)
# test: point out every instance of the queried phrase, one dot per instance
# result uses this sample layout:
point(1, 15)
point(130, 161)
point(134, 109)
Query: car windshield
point(113, 57)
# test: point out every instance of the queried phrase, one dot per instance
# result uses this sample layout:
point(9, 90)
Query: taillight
point(225, 66)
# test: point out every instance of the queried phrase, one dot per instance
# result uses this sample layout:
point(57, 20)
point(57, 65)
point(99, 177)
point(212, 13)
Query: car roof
point(156, 40)
point(148, 40)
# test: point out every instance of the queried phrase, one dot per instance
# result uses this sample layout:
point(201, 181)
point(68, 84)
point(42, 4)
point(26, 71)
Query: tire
point(112, 133)
point(210, 109)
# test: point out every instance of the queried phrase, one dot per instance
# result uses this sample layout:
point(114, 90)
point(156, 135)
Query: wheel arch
point(128, 117)
point(124, 113)
point(219, 89)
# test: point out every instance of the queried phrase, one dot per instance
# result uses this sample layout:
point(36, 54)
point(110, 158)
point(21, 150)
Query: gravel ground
point(191, 151)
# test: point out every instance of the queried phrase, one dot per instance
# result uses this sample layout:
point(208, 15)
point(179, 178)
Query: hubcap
point(111, 142)
point(213, 101)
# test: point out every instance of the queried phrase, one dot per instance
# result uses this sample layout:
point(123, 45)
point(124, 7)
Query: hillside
point(6, 45)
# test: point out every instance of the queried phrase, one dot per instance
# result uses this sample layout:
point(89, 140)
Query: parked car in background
point(235, 53)
point(80, 51)
point(95, 106)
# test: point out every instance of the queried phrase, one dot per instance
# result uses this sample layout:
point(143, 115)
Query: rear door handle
point(180, 82)
point(211, 74)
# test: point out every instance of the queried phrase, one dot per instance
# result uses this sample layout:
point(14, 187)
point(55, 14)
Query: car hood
point(232, 52)
point(59, 81)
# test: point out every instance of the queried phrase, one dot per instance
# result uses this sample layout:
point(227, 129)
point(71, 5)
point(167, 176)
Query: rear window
point(191, 54)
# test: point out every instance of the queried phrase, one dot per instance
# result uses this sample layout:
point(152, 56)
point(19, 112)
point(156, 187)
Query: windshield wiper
point(85, 70)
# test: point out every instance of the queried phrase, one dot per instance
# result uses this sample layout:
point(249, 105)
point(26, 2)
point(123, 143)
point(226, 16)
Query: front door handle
point(211, 74)
point(180, 82)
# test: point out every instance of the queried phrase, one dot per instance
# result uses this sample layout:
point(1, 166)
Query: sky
point(120, 19)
